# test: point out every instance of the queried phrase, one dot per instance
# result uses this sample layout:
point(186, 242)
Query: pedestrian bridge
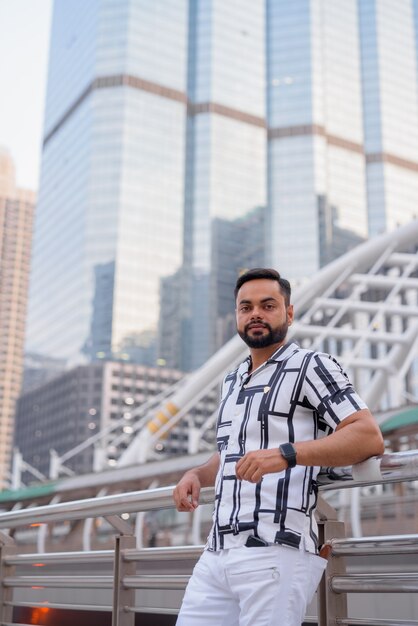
point(362, 308)
point(369, 581)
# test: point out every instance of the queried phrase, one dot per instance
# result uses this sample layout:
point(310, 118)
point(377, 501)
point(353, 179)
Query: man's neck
point(261, 355)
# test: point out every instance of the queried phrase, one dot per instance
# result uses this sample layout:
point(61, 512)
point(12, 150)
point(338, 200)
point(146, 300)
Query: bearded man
point(284, 412)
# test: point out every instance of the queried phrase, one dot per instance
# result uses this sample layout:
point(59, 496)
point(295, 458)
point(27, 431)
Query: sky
point(24, 43)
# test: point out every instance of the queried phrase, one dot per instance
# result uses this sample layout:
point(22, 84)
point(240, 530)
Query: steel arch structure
point(362, 308)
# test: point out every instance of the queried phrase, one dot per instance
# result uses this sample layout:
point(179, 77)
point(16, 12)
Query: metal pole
point(336, 603)
point(7, 549)
point(123, 598)
point(330, 605)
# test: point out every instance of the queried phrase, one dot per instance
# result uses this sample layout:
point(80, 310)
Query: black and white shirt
point(297, 395)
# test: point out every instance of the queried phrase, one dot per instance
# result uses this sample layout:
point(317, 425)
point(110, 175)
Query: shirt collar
point(281, 354)
point(245, 366)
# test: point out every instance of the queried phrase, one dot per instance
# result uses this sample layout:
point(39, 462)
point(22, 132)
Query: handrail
point(75, 582)
point(381, 583)
point(163, 554)
point(390, 544)
point(61, 558)
point(130, 502)
point(388, 468)
point(61, 605)
point(374, 622)
point(156, 581)
point(166, 553)
point(385, 469)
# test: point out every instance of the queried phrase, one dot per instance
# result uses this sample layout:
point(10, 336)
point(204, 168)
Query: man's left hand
point(254, 465)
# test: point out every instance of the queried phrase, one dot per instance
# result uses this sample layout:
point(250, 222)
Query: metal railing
point(125, 569)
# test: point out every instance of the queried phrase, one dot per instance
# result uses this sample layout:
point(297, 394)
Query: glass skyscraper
point(389, 47)
point(187, 140)
point(226, 153)
point(110, 217)
point(317, 182)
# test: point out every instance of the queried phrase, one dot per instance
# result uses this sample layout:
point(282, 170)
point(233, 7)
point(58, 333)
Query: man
point(284, 413)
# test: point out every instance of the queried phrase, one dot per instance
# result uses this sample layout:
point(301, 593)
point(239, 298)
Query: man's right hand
point(186, 493)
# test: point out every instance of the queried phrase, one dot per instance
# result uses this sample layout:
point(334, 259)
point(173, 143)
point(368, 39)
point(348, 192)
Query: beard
point(274, 335)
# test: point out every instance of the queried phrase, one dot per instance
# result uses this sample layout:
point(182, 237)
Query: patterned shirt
point(297, 395)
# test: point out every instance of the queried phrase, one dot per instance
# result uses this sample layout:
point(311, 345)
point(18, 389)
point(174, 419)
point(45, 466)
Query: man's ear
point(290, 314)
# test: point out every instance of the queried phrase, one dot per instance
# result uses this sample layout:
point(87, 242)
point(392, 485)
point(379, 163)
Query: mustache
point(251, 324)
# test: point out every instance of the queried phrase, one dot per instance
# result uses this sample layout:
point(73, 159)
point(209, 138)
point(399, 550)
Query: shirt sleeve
point(329, 391)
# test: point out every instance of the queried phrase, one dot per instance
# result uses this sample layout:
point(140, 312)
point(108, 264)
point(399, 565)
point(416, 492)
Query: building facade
point(317, 178)
point(110, 217)
point(99, 397)
point(16, 217)
point(170, 124)
point(389, 52)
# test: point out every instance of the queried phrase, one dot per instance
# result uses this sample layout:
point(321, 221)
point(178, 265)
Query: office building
point(317, 178)
point(389, 52)
point(189, 330)
point(171, 123)
point(38, 369)
point(150, 135)
point(110, 217)
point(77, 404)
point(16, 216)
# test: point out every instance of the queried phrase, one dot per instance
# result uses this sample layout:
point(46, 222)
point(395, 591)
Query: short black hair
point(270, 274)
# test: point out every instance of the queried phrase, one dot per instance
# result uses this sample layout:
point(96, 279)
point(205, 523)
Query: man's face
point(262, 315)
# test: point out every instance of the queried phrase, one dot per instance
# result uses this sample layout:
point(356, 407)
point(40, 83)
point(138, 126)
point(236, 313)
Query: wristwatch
point(288, 452)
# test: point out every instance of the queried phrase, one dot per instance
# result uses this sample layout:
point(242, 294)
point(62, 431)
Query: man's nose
point(256, 313)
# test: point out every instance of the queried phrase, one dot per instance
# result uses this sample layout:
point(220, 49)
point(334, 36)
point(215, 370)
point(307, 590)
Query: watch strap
point(288, 452)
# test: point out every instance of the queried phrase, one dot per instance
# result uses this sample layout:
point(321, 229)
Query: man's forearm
point(186, 493)
point(353, 441)
point(357, 438)
point(207, 472)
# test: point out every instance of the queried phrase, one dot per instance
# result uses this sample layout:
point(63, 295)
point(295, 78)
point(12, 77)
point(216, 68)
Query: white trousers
point(263, 586)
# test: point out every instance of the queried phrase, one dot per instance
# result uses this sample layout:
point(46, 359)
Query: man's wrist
point(288, 452)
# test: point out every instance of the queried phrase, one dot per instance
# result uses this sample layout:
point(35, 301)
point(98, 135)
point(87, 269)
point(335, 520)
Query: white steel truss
point(362, 308)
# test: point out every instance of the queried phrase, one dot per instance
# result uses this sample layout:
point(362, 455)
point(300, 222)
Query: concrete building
point(37, 370)
point(75, 405)
point(16, 217)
